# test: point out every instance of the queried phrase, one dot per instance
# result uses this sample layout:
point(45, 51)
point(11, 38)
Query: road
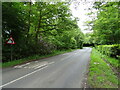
point(60, 71)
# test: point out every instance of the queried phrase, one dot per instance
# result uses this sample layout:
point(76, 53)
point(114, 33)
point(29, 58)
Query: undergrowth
point(100, 73)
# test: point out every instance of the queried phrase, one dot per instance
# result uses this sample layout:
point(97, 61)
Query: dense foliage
point(110, 50)
point(106, 28)
point(38, 28)
point(89, 39)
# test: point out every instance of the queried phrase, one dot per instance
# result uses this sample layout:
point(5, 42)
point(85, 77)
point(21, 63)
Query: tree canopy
point(106, 27)
point(38, 28)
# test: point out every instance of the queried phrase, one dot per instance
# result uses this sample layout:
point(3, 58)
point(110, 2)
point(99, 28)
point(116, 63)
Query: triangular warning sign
point(10, 41)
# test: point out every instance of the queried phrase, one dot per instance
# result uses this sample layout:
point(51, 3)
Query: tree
point(39, 28)
point(106, 28)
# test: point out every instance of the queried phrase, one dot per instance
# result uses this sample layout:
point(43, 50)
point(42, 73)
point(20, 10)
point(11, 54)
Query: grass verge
point(112, 61)
point(32, 58)
point(100, 74)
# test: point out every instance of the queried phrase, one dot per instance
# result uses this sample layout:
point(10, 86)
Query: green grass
point(113, 61)
point(100, 74)
point(31, 58)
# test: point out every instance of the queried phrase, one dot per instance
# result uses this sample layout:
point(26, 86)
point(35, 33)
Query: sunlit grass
point(100, 73)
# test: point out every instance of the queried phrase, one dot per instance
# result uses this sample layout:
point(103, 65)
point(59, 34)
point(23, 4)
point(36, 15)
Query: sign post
point(11, 42)
point(11, 52)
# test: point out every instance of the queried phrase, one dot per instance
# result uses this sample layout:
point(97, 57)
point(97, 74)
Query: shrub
point(110, 50)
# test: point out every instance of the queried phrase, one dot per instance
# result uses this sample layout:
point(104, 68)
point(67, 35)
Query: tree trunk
point(39, 24)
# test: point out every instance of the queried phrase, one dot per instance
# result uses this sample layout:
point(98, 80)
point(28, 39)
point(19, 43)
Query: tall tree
point(39, 28)
point(106, 26)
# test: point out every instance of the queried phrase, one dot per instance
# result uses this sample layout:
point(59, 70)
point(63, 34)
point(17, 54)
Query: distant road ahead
point(61, 71)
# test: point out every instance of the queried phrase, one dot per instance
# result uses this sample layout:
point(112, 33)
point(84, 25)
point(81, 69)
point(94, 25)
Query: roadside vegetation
point(105, 56)
point(111, 54)
point(32, 58)
point(101, 74)
point(39, 29)
point(44, 29)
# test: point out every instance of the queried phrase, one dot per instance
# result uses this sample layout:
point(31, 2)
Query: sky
point(80, 10)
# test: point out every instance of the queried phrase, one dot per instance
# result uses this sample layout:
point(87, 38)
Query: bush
point(110, 50)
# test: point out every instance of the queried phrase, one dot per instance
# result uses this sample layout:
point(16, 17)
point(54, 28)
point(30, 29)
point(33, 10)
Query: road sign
point(10, 41)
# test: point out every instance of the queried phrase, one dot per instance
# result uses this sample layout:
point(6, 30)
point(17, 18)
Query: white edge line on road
point(22, 77)
point(35, 66)
point(36, 61)
point(19, 66)
point(40, 66)
point(51, 62)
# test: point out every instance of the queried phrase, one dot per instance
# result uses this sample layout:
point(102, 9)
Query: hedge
point(110, 50)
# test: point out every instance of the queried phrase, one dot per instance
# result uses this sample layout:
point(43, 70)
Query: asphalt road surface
point(61, 71)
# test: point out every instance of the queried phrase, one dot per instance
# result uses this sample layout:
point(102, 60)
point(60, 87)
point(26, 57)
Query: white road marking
point(51, 62)
point(15, 66)
point(66, 54)
point(22, 77)
point(40, 66)
point(24, 64)
point(36, 61)
point(20, 66)
point(35, 66)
